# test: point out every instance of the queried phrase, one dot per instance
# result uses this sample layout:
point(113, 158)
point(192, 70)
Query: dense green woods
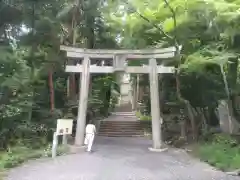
point(33, 84)
point(207, 65)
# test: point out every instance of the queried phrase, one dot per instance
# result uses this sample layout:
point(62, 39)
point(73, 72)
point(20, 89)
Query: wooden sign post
point(64, 128)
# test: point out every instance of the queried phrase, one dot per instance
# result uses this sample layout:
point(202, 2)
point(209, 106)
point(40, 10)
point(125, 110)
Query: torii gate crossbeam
point(119, 57)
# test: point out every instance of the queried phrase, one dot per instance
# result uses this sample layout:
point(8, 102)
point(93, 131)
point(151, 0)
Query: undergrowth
point(142, 117)
point(19, 154)
point(222, 152)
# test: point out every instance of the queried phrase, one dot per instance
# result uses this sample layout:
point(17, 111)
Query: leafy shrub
point(224, 139)
point(143, 117)
point(222, 152)
point(138, 114)
point(20, 154)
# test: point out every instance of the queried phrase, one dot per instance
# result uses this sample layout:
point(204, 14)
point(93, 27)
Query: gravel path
point(119, 159)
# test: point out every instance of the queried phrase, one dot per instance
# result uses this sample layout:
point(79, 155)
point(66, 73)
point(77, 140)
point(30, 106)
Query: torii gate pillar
point(155, 108)
point(83, 101)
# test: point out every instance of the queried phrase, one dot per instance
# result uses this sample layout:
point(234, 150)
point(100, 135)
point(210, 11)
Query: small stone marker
point(64, 128)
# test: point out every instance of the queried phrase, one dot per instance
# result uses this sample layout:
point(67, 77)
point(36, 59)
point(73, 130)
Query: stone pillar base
point(74, 149)
point(163, 148)
point(157, 150)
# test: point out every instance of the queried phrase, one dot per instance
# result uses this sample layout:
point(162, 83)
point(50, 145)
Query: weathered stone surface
point(228, 124)
point(120, 159)
point(234, 173)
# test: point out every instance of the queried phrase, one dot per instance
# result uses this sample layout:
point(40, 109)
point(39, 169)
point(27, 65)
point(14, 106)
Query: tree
point(32, 65)
point(208, 34)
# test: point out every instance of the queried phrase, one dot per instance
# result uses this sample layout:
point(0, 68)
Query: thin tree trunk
point(188, 106)
point(51, 90)
point(204, 120)
point(33, 50)
point(138, 88)
point(72, 80)
point(229, 105)
point(183, 124)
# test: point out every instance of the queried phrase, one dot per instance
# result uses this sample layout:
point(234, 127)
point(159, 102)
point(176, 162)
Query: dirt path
point(119, 159)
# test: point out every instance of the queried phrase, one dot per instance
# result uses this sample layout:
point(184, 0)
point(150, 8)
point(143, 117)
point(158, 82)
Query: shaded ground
point(119, 159)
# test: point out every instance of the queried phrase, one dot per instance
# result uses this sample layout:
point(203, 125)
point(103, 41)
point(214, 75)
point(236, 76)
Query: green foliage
point(25, 97)
point(142, 117)
point(224, 139)
point(104, 95)
point(19, 154)
point(208, 65)
point(208, 32)
point(222, 152)
point(31, 33)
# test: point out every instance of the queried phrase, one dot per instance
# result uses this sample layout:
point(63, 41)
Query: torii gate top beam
point(119, 58)
point(118, 51)
point(128, 54)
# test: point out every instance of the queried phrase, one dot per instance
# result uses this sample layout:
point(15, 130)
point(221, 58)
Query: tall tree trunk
point(33, 50)
point(186, 103)
point(72, 79)
point(232, 82)
point(90, 43)
point(183, 124)
point(229, 108)
point(51, 90)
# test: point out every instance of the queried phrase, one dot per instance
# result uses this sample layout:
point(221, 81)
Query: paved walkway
point(119, 159)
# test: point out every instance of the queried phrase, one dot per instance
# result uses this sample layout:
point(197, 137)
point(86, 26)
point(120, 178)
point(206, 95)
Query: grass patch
point(222, 152)
point(143, 117)
point(19, 154)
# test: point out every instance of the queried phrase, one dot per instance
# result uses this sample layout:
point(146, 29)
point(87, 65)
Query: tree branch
point(150, 22)
point(174, 22)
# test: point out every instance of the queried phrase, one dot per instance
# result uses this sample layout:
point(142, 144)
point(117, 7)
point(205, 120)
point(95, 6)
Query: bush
point(222, 152)
point(19, 154)
point(143, 117)
point(225, 139)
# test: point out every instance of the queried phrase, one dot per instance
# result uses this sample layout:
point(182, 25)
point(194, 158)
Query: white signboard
point(64, 126)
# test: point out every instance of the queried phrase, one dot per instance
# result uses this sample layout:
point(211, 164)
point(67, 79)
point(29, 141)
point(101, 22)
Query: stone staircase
point(121, 124)
point(125, 108)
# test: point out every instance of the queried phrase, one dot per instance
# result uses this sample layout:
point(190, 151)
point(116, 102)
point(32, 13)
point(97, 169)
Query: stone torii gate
point(119, 58)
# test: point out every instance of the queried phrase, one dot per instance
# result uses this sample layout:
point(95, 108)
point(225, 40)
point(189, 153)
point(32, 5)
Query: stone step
point(125, 116)
point(119, 135)
point(123, 133)
point(121, 128)
point(124, 108)
point(124, 113)
point(123, 119)
point(123, 122)
point(120, 118)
